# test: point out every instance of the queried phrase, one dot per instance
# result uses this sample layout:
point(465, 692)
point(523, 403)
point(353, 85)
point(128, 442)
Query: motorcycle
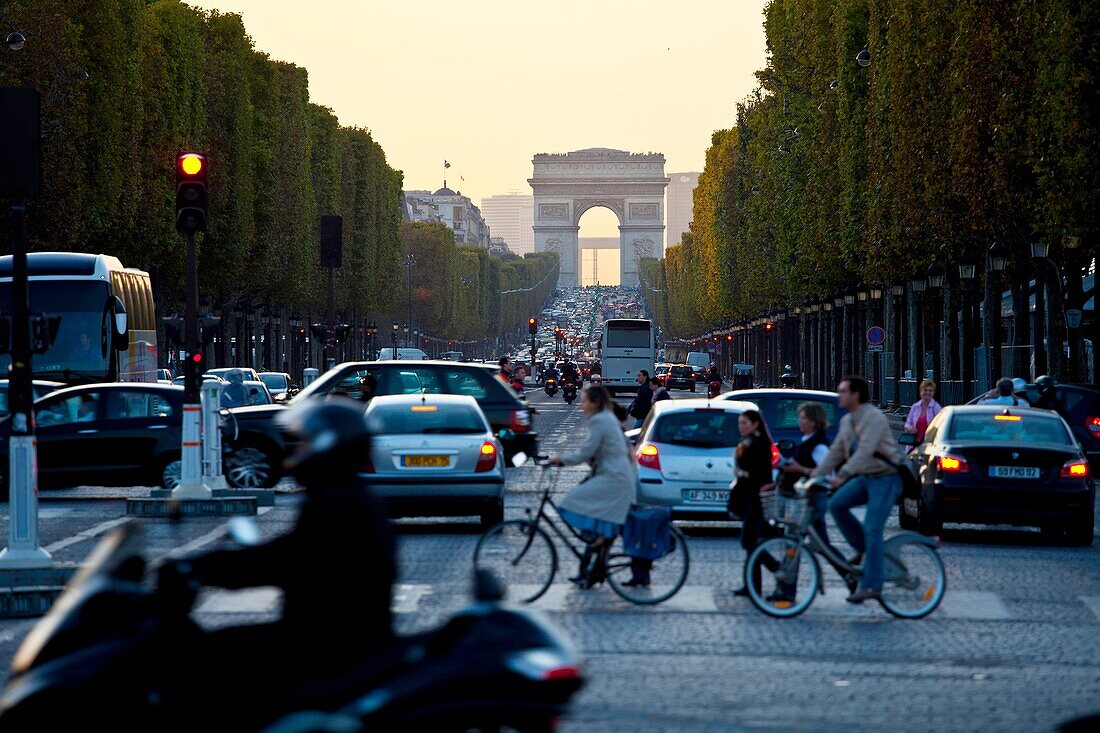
point(551, 387)
point(596, 378)
point(569, 392)
point(112, 651)
point(714, 389)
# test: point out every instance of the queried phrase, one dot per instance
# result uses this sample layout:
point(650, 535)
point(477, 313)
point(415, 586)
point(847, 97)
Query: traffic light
point(319, 331)
point(342, 330)
point(191, 192)
point(5, 334)
point(173, 329)
point(532, 326)
point(43, 332)
point(768, 326)
point(211, 326)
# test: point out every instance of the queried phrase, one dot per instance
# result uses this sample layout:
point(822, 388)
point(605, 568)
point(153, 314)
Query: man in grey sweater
point(864, 458)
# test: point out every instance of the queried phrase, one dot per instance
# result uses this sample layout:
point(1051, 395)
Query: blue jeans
point(879, 493)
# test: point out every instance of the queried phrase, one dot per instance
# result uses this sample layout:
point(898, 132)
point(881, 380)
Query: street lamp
point(863, 58)
point(935, 282)
point(897, 290)
point(395, 327)
point(935, 275)
point(15, 40)
point(1039, 252)
point(998, 256)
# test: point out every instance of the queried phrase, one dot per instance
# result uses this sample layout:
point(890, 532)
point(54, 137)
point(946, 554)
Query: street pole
point(330, 331)
point(191, 486)
point(22, 550)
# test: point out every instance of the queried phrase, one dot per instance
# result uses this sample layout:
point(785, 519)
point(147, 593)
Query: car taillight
point(520, 421)
point(1076, 469)
point(487, 460)
point(775, 456)
point(952, 464)
point(649, 456)
point(1093, 424)
point(368, 467)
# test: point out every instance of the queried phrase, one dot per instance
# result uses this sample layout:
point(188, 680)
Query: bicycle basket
point(648, 531)
point(779, 507)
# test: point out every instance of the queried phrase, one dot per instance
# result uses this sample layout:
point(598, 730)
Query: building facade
point(511, 216)
point(451, 208)
point(681, 186)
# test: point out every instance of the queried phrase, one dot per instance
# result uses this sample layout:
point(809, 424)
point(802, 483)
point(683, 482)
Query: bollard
point(309, 375)
point(212, 476)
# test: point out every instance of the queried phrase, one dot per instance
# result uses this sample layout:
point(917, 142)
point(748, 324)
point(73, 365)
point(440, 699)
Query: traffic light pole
point(191, 486)
point(330, 334)
point(22, 551)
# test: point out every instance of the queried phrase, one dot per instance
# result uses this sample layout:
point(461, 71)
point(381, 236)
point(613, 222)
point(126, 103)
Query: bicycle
point(914, 579)
point(522, 553)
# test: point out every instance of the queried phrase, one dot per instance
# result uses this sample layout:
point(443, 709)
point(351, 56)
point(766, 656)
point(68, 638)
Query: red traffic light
point(197, 358)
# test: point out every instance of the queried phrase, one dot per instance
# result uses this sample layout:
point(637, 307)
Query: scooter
point(551, 387)
point(569, 392)
point(714, 389)
point(111, 651)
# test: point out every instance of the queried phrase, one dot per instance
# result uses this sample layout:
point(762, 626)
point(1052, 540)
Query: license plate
point(705, 494)
point(426, 461)
point(1014, 472)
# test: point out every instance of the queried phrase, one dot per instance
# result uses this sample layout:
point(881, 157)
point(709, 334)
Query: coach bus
point(628, 345)
point(108, 323)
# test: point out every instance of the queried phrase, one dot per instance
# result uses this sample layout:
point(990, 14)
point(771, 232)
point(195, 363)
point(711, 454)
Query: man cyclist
point(864, 458)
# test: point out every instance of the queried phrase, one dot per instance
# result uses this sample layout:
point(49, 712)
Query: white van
point(698, 359)
point(402, 354)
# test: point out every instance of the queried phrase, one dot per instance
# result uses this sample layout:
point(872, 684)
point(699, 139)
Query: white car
point(685, 455)
point(435, 455)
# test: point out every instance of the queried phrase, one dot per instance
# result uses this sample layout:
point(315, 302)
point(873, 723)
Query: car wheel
point(929, 522)
point(493, 516)
point(171, 473)
point(250, 467)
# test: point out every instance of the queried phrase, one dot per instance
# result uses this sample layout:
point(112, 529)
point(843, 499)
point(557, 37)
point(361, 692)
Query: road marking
point(86, 534)
point(406, 599)
point(561, 597)
point(203, 540)
point(554, 599)
point(691, 599)
point(974, 605)
point(1093, 603)
point(52, 512)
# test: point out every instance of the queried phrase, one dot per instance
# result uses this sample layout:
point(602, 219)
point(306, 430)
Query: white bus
point(628, 346)
point(88, 292)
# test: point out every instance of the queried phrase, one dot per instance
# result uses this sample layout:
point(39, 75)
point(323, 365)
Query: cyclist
point(598, 505)
point(864, 458)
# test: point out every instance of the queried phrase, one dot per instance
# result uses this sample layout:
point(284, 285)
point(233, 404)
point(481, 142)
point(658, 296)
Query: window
point(348, 384)
point(465, 383)
point(1023, 429)
point(628, 338)
point(78, 408)
point(124, 404)
point(699, 428)
point(416, 420)
point(786, 413)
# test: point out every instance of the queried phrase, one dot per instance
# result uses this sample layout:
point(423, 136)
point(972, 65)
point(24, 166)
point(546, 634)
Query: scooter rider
point(569, 373)
point(336, 567)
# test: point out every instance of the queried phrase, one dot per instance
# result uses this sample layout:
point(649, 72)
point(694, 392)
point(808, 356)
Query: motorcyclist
point(329, 623)
point(788, 378)
point(569, 373)
point(235, 393)
point(551, 373)
point(1048, 396)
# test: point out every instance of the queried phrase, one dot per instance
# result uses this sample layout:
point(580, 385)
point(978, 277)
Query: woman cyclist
point(598, 505)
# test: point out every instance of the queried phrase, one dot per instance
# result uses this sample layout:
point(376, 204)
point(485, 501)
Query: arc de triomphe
point(630, 184)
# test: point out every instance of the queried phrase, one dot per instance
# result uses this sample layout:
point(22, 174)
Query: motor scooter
point(551, 387)
point(714, 389)
point(569, 391)
point(113, 653)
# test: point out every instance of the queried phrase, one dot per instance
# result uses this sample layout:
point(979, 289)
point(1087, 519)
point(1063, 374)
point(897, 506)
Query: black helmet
point(1045, 383)
point(333, 439)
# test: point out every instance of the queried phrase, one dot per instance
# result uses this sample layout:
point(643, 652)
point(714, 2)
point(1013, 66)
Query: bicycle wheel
point(914, 581)
point(667, 574)
point(521, 554)
point(789, 577)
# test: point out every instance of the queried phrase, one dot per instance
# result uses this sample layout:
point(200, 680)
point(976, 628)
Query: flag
point(461, 178)
point(446, 164)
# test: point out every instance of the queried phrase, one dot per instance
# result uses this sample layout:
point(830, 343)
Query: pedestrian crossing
point(412, 598)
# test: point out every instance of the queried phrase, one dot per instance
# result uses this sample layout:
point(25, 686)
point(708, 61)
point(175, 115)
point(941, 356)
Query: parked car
point(280, 385)
point(680, 377)
point(992, 464)
point(685, 455)
point(120, 434)
point(39, 387)
point(780, 410)
point(435, 455)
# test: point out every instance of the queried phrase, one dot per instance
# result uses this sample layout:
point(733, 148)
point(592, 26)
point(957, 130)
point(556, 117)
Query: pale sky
point(486, 84)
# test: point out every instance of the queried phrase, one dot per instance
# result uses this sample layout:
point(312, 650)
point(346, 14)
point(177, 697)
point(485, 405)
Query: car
point(992, 464)
point(402, 354)
point(435, 455)
point(661, 370)
point(1082, 413)
point(685, 455)
point(680, 377)
point(223, 372)
point(280, 385)
point(780, 410)
point(39, 387)
point(117, 434)
point(178, 381)
point(164, 376)
point(258, 393)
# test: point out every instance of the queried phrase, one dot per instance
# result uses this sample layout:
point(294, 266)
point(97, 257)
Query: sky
point(486, 84)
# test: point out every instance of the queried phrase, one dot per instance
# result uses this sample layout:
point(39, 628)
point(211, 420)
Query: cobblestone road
point(1015, 646)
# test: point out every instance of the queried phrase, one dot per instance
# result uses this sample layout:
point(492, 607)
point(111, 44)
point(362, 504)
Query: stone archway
point(632, 185)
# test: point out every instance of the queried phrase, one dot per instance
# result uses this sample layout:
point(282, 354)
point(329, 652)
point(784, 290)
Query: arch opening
point(599, 240)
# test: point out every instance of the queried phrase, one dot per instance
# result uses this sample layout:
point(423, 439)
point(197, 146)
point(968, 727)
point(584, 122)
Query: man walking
point(639, 408)
point(864, 457)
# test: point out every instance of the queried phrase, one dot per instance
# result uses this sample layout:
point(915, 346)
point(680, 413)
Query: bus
point(628, 346)
point(452, 356)
point(108, 327)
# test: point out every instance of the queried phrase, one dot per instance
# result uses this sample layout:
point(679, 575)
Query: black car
point(259, 446)
point(992, 464)
point(1082, 412)
point(122, 434)
point(780, 410)
point(680, 376)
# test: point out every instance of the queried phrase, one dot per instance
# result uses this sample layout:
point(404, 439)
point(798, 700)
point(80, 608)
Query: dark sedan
point(680, 377)
point(780, 410)
point(990, 464)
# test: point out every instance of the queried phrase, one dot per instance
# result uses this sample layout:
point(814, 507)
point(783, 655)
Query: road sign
point(875, 348)
point(1073, 317)
point(876, 336)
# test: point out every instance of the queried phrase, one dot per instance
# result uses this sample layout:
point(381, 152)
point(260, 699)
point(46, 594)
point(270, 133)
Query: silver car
point(435, 455)
point(685, 455)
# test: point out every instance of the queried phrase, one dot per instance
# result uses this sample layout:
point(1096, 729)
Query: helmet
point(333, 439)
point(1045, 383)
point(235, 376)
point(788, 368)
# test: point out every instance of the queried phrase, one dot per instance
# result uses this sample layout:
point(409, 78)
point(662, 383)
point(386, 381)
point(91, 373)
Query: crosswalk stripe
point(406, 599)
point(1093, 603)
point(974, 605)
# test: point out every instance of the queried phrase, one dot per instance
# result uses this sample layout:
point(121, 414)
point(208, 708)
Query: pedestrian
point(753, 471)
point(923, 410)
point(659, 391)
point(642, 403)
point(1002, 394)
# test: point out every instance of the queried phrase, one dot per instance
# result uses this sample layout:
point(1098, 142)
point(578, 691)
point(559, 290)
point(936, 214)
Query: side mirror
point(244, 531)
point(785, 446)
point(907, 439)
point(633, 434)
point(120, 337)
point(506, 434)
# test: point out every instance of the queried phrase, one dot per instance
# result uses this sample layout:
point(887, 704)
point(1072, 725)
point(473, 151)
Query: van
point(404, 354)
point(698, 359)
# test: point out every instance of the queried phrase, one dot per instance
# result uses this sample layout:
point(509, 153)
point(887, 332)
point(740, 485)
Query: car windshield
point(681, 371)
point(996, 428)
point(81, 345)
point(274, 381)
point(698, 428)
point(425, 419)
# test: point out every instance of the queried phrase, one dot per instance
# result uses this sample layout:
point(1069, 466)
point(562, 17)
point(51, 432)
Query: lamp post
point(996, 261)
point(405, 330)
point(967, 271)
point(1039, 252)
point(395, 327)
point(935, 283)
point(898, 292)
point(917, 285)
point(409, 262)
